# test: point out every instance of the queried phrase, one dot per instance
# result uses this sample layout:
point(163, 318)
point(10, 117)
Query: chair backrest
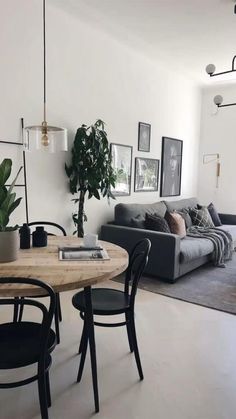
point(47, 311)
point(48, 223)
point(138, 260)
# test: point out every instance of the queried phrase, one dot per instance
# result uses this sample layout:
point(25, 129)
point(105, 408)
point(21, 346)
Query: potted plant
point(9, 237)
point(90, 172)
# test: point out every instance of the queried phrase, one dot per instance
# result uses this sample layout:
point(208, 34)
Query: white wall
point(218, 135)
point(90, 76)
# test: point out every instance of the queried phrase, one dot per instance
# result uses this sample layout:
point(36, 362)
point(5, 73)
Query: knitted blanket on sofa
point(221, 239)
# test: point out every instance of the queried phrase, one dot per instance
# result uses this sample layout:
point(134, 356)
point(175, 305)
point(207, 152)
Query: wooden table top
point(43, 263)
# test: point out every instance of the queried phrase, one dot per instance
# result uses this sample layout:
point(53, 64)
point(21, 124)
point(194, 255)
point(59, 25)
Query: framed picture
point(146, 175)
point(144, 136)
point(171, 166)
point(122, 164)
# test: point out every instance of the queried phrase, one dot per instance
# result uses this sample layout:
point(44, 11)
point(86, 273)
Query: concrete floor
point(189, 361)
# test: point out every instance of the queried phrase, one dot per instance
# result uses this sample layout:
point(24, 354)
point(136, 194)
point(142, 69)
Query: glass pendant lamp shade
point(45, 137)
point(52, 139)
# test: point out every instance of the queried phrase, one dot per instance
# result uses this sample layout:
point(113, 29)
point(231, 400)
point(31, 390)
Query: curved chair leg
point(21, 309)
point(59, 306)
point(43, 396)
point(82, 339)
point(16, 309)
point(56, 318)
point(129, 331)
point(48, 390)
point(84, 347)
point(135, 346)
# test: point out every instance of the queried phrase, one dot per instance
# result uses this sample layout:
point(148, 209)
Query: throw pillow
point(176, 223)
point(201, 217)
point(214, 215)
point(185, 215)
point(156, 223)
point(137, 222)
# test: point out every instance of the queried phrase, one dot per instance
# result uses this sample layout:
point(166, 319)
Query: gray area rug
point(206, 286)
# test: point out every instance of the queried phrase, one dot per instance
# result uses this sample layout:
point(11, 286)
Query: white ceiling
point(185, 33)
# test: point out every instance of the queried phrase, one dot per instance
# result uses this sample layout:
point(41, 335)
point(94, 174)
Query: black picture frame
point(142, 182)
point(144, 136)
point(171, 166)
point(122, 155)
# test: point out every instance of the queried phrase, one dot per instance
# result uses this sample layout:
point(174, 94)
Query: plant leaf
point(14, 181)
point(5, 171)
point(14, 205)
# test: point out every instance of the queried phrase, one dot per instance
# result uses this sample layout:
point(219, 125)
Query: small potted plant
point(9, 236)
point(90, 171)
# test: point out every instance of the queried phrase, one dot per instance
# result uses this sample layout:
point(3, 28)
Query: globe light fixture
point(210, 70)
point(44, 136)
point(218, 99)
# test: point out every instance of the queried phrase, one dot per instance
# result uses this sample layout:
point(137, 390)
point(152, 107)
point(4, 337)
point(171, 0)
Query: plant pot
point(9, 245)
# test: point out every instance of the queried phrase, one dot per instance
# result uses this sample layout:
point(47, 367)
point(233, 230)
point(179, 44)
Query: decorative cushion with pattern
point(176, 223)
point(156, 223)
point(201, 217)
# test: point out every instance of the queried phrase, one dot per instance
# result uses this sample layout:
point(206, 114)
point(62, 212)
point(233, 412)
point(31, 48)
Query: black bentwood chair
point(58, 314)
point(24, 343)
point(109, 302)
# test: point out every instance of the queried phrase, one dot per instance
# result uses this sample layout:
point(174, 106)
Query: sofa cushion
point(137, 222)
point(185, 215)
point(192, 248)
point(180, 204)
point(156, 223)
point(231, 229)
point(176, 223)
point(214, 215)
point(124, 212)
point(201, 217)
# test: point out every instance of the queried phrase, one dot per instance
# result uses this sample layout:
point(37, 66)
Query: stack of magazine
point(82, 253)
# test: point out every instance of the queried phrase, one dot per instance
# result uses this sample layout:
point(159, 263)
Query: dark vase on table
point(40, 237)
point(25, 237)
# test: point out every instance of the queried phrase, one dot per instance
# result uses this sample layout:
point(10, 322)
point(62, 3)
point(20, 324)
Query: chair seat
point(105, 301)
point(20, 344)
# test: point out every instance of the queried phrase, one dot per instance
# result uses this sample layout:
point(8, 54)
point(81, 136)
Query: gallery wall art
point(146, 175)
point(144, 136)
point(171, 166)
point(122, 163)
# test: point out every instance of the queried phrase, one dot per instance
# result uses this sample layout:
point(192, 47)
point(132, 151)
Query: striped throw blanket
point(221, 239)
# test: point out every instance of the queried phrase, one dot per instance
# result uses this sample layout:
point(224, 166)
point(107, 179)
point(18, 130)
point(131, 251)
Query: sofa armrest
point(229, 219)
point(165, 251)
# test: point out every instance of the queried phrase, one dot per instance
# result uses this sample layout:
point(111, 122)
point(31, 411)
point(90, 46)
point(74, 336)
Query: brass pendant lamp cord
point(44, 62)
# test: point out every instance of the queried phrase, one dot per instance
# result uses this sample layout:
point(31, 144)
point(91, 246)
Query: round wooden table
point(43, 263)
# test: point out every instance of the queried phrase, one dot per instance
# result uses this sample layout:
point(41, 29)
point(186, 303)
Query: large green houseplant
point(90, 171)
point(8, 203)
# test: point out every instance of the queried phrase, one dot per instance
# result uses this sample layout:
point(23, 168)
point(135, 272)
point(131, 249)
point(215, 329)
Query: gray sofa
point(171, 256)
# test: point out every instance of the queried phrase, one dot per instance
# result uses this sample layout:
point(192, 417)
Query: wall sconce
point(218, 100)
point(210, 69)
point(211, 158)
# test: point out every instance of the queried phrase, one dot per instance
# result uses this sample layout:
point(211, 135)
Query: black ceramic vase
point(25, 237)
point(40, 237)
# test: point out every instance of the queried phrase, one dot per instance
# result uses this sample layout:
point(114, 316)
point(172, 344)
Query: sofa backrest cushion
point(125, 212)
point(180, 204)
